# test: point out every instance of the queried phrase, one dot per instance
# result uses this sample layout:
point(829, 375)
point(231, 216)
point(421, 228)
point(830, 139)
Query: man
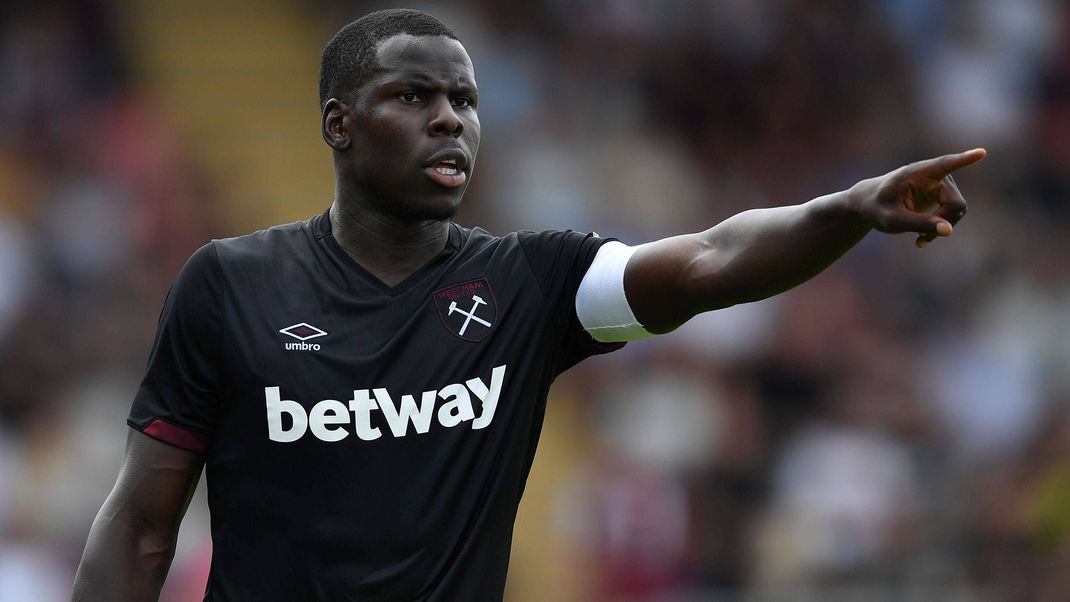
point(366, 388)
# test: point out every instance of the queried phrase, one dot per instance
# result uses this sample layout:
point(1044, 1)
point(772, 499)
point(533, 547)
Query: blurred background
point(898, 428)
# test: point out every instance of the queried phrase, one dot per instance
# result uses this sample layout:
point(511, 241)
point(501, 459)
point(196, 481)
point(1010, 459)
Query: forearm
point(123, 560)
point(760, 253)
point(750, 256)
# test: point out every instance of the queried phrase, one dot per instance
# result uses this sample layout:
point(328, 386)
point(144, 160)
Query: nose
point(444, 120)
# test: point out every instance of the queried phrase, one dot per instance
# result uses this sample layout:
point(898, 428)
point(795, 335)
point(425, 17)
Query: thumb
point(929, 226)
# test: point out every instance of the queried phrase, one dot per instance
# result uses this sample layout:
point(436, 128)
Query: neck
point(389, 247)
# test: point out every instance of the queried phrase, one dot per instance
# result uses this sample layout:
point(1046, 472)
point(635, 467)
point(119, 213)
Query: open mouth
point(447, 167)
point(446, 173)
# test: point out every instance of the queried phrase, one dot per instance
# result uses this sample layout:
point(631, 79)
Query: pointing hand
point(921, 197)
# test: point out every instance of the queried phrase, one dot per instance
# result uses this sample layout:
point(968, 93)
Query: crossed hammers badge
point(470, 314)
point(467, 309)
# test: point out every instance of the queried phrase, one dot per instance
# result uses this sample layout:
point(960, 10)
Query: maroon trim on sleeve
point(175, 435)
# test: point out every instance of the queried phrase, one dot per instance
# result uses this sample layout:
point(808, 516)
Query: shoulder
point(527, 240)
point(265, 257)
point(475, 243)
point(267, 244)
point(541, 251)
point(557, 243)
point(474, 237)
point(554, 237)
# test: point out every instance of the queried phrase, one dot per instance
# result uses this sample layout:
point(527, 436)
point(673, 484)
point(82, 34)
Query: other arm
point(763, 252)
point(132, 540)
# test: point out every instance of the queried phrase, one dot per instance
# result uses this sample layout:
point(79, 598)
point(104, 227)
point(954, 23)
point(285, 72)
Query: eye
point(410, 97)
point(463, 102)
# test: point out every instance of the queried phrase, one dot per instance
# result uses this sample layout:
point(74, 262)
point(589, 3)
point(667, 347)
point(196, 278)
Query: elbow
point(149, 538)
point(677, 280)
point(691, 294)
point(154, 549)
point(126, 558)
point(708, 281)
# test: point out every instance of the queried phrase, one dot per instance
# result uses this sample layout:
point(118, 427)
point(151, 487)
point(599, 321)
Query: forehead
point(439, 57)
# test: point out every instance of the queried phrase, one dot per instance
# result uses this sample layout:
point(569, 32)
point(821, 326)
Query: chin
point(444, 213)
point(434, 209)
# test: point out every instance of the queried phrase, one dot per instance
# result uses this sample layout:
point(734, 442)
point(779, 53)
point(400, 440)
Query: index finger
point(940, 167)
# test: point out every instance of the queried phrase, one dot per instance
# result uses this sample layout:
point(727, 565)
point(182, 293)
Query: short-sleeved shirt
point(364, 441)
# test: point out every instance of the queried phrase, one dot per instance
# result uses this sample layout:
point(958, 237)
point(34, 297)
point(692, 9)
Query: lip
point(449, 181)
point(446, 154)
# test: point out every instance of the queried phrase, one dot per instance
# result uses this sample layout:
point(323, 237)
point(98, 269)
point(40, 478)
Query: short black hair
point(350, 57)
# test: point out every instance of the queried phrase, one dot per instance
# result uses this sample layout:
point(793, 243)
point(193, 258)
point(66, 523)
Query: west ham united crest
point(467, 309)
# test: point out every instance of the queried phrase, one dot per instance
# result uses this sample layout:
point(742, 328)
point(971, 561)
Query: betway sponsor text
point(329, 419)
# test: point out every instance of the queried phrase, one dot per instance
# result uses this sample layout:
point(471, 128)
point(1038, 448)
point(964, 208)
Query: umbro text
point(326, 419)
point(302, 346)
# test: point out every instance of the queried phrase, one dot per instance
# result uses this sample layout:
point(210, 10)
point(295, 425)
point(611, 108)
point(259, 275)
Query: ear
point(335, 131)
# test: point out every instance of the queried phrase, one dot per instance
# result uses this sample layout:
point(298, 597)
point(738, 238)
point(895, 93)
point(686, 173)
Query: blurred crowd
point(897, 428)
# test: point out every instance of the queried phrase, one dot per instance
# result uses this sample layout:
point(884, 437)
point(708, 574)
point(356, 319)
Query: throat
point(390, 273)
point(389, 250)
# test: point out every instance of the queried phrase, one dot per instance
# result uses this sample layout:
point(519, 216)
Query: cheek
point(387, 133)
point(472, 129)
point(386, 149)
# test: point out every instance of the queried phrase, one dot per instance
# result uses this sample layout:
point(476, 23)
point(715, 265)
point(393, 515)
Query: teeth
point(451, 161)
point(446, 171)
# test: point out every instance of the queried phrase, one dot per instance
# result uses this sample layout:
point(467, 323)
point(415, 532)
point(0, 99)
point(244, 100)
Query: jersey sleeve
point(177, 399)
point(559, 259)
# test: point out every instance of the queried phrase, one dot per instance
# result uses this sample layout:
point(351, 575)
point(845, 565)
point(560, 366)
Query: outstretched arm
point(133, 538)
point(759, 253)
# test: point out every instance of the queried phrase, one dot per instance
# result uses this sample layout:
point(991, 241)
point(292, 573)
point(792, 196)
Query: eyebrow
point(422, 81)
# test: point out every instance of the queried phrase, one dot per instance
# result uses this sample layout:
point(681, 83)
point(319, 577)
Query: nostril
point(450, 126)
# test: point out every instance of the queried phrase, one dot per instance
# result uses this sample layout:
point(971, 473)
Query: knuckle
point(884, 222)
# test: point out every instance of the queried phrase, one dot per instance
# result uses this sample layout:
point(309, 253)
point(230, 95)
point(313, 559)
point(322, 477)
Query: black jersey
point(364, 442)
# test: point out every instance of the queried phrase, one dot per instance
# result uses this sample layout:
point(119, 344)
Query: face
point(412, 129)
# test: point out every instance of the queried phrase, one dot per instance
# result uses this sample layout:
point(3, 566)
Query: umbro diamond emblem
point(302, 332)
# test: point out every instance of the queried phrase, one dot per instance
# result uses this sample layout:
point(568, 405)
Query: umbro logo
point(302, 332)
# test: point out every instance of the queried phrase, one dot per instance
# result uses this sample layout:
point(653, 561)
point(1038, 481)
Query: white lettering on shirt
point(327, 419)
